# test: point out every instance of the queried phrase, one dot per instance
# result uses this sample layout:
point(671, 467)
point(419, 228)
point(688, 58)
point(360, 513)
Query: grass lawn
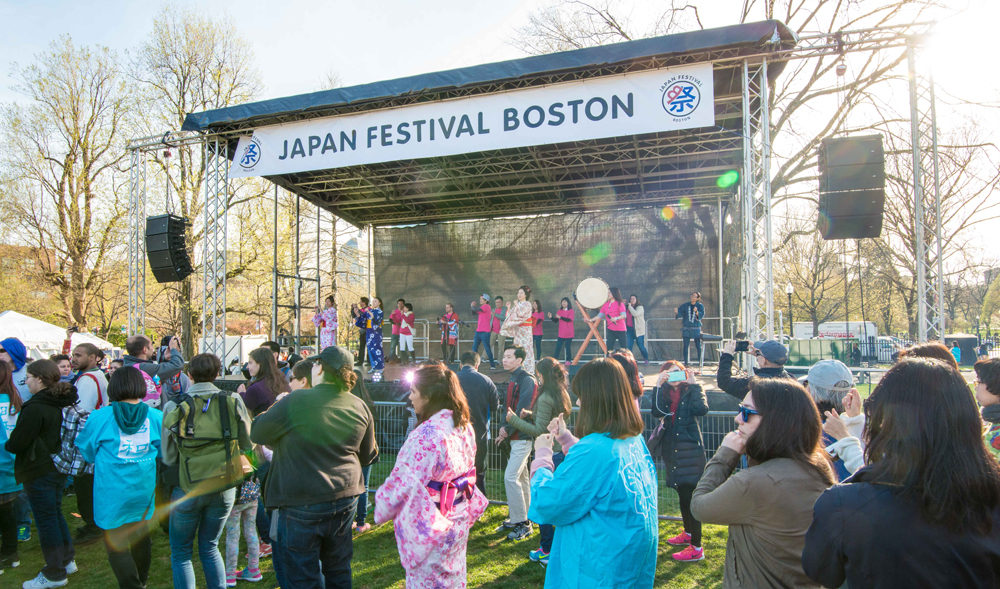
point(493, 562)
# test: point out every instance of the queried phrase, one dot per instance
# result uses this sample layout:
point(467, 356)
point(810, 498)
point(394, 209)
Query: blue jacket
point(602, 501)
point(7, 422)
point(124, 466)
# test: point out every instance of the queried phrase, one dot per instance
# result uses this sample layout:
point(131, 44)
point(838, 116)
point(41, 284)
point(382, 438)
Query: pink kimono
point(326, 323)
point(518, 325)
point(432, 539)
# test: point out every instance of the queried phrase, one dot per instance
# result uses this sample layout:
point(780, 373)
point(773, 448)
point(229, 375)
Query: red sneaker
point(689, 554)
point(682, 539)
point(265, 550)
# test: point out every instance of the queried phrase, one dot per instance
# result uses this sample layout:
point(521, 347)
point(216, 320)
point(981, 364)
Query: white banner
point(611, 106)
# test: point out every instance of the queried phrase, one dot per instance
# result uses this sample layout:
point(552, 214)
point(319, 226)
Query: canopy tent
point(43, 339)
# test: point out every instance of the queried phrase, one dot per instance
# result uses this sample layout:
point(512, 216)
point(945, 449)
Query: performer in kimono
point(449, 333)
point(325, 320)
point(372, 320)
point(604, 492)
point(518, 325)
point(431, 492)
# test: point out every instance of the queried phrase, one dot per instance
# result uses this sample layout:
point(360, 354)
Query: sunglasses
point(745, 412)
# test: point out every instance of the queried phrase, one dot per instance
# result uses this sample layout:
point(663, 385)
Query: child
point(244, 510)
point(406, 335)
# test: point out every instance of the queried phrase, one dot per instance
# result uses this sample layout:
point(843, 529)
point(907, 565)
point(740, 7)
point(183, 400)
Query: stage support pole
point(274, 272)
point(213, 309)
point(137, 244)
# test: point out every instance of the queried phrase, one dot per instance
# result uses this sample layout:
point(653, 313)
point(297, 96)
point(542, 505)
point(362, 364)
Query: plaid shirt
point(68, 460)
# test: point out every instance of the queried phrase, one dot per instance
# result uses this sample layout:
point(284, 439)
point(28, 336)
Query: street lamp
point(788, 291)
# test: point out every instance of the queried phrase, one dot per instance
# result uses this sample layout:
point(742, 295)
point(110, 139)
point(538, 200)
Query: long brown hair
point(553, 375)
point(440, 387)
point(7, 388)
point(923, 436)
point(606, 404)
point(790, 426)
point(268, 371)
point(631, 368)
point(47, 371)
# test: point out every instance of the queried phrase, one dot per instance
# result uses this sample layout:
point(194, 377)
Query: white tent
point(43, 339)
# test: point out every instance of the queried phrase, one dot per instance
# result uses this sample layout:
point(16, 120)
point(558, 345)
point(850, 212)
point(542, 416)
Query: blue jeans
point(314, 545)
point(687, 335)
point(204, 516)
point(560, 343)
point(547, 532)
point(537, 341)
point(45, 495)
point(632, 339)
point(483, 337)
point(362, 512)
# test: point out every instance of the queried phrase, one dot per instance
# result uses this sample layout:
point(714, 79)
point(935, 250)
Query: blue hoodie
point(19, 356)
point(7, 422)
point(124, 463)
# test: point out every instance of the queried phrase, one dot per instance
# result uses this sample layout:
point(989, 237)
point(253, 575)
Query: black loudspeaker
point(165, 248)
point(851, 187)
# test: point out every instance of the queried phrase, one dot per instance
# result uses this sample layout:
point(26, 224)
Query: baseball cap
point(773, 350)
point(335, 357)
point(832, 375)
point(486, 297)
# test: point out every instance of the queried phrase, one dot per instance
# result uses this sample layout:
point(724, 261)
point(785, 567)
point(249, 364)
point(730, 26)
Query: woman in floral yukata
point(325, 320)
point(431, 492)
point(518, 325)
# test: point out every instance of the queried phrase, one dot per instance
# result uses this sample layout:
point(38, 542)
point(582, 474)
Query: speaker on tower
point(165, 248)
point(851, 187)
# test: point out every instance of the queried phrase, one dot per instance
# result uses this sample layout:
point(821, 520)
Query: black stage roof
point(629, 171)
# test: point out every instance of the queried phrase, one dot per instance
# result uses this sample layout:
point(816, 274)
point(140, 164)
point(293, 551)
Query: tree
point(815, 269)
point(62, 148)
point(191, 64)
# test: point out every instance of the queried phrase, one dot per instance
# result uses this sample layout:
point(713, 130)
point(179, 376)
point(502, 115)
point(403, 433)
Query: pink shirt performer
point(431, 492)
point(325, 320)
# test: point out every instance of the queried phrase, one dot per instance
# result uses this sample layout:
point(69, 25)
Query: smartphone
point(742, 346)
point(676, 376)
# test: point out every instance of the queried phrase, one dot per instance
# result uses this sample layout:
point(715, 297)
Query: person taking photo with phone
point(770, 356)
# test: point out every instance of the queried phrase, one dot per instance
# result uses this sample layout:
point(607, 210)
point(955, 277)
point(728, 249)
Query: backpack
point(153, 389)
point(207, 443)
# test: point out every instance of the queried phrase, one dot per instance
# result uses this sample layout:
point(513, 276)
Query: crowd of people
point(817, 486)
point(520, 322)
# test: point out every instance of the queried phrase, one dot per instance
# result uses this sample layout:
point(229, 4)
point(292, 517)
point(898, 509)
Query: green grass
point(492, 562)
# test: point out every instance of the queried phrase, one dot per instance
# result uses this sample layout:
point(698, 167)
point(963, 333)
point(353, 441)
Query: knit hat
point(486, 297)
point(16, 350)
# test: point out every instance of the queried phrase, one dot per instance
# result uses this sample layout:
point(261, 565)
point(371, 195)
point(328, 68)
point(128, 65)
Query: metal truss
point(926, 203)
point(755, 189)
point(213, 308)
point(137, 244)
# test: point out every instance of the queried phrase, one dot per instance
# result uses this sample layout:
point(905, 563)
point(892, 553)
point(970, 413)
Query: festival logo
point(681, 96)
point(251, 154)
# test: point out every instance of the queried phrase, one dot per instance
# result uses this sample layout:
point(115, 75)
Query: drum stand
point(592, 333)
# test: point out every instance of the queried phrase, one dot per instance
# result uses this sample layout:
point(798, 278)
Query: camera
point(742, 345)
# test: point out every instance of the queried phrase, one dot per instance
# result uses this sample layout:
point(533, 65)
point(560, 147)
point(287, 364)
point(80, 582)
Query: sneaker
point(43, 582)
point(23, 533)
point(689, 554)
point(9, 562)
point(71, 567)
point(230, 579)
point(362, 528)
point(506, 525)
point(249, 574)
point(265, 551)
point(539, 556)
point(522, 531)
point(682, 539)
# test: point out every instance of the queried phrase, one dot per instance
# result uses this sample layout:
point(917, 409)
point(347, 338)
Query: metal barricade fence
point(393, 420)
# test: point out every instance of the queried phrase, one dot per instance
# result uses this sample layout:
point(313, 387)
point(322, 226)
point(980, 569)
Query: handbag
point(655, 441)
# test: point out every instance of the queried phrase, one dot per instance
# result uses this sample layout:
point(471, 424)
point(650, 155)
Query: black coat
point(37, 434)
point(867, 534)
point(740, 386)
point(682, 450)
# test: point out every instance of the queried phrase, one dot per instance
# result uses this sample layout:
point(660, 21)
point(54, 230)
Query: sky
point(297, 43)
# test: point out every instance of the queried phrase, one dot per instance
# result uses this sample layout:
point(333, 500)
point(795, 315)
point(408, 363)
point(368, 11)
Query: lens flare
point(728, 179)
point(667, 213)
point(596, 253)
point(685, 203)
